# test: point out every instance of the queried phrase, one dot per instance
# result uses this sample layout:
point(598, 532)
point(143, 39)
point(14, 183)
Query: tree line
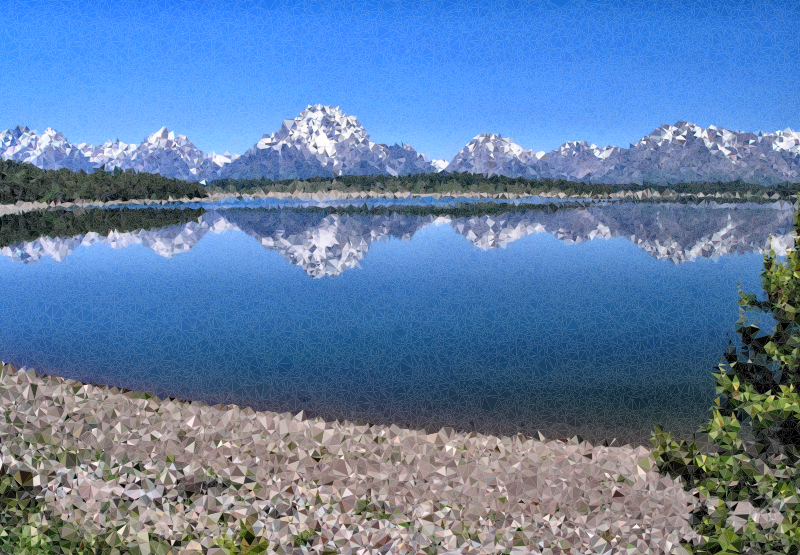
point(21, 181)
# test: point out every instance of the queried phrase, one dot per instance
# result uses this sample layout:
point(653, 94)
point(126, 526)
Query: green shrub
point(750, 449)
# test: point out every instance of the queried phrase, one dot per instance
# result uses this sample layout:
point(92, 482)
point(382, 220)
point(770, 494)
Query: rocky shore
point(134, 470)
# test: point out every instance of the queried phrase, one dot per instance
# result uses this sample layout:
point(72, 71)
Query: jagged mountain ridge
point(321, 141)
point(329, 245)
point(161, 152)
point(324, 141)
point(671, 154)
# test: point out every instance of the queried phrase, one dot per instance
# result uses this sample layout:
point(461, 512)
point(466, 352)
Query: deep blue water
point(598, 338)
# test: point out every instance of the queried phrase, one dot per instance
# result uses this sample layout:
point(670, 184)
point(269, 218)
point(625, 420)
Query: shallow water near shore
point(495, 324)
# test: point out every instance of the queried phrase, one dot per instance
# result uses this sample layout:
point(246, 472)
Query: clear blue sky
point(431, 74)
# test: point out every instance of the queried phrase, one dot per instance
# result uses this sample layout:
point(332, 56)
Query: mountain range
point(323, 141)
point(328, 245)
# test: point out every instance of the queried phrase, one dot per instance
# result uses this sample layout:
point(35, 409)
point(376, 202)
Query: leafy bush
point(746, 460)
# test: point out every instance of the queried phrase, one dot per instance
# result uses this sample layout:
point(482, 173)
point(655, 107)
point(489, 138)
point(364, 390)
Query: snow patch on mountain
point(162, 152)
point(49, 151)
point(683, 152)
point(324, 141)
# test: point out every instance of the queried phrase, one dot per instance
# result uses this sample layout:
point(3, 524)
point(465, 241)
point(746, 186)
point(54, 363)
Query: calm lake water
point(596, 321)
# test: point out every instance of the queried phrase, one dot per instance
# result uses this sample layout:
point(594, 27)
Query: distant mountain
point(162, 153)
point(678, 153)
point(49, 151)
point(328, 245)
point(489, 154)
point(323, 141)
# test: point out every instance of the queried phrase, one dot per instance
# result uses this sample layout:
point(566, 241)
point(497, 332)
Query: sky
point(429, 74)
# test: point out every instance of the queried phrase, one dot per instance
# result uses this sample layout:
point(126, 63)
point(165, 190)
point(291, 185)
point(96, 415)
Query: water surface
point(597, 321)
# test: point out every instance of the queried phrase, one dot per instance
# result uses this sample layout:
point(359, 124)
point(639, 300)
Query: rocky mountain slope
point(679, 153)
point(321, 141)
point(324, 141)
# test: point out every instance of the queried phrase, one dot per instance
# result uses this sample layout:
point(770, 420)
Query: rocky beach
point(174, 476)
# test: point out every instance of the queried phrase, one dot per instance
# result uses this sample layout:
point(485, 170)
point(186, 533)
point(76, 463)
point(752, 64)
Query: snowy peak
point(162, 138)
point(50, 150)
point(440, 164)
point(684, 132)
point(51, 136)
point(161, 152)
point(218, 161)
point(16, 132)
point(11, 137)
point(492, 154)
point(324, 141)
point(318, 128)
point(670, 154)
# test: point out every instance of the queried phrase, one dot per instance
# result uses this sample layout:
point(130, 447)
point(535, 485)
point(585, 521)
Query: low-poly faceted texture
point(162, 153)
point(323, 141)
point(332, 244)
point(679, 153)
point(184, 474)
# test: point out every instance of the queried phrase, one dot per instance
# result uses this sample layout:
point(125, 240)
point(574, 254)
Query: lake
point(598, 320)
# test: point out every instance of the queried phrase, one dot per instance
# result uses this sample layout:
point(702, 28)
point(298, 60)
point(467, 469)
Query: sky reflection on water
point(600, 338)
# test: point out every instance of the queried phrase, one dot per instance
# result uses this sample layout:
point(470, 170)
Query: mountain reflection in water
point(489, 323)
point(327, 245)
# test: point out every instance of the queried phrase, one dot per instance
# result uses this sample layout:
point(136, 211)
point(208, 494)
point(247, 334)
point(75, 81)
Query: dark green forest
point(28, 183)
point(466, 182)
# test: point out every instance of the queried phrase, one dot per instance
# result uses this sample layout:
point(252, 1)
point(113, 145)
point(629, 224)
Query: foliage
point(27, 527)
point(476, 183)
point(749, 452)
point(20, 181)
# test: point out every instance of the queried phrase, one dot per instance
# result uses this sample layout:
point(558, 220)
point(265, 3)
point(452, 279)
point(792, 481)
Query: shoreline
point(21, 207)
point(625, 430)
point(204, 471)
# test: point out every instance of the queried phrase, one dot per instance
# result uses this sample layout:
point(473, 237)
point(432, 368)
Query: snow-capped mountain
point(321, 141)
point(491, 154)
point(162, 153)
point(683, 152)
point(324, 141)
point(49, 151)
point(440, 164)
